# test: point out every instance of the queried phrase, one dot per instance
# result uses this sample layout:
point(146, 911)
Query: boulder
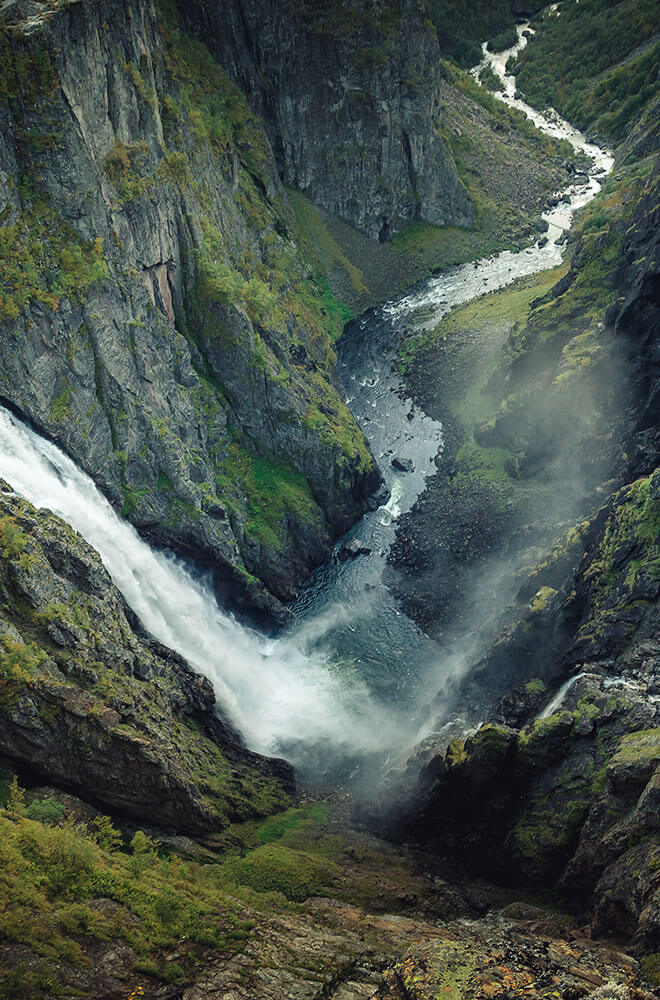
point(353, 549)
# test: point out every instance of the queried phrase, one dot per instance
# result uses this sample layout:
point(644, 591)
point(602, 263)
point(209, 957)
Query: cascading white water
point(274, 692)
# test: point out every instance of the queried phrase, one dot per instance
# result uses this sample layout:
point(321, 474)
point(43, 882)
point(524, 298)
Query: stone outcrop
point(350, 95)
point(570, 801)
point(90, 703)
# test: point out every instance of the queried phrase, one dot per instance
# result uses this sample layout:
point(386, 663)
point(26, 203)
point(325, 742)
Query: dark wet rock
point(352, 550)
point(571, 799)
point(377, 499)
point(402, 464)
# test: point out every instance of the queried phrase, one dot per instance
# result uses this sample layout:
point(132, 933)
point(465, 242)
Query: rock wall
point(157, 318)
point(350, 95)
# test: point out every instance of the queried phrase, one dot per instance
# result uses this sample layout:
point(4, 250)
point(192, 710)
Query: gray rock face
point(351, 100)
point(157, 318)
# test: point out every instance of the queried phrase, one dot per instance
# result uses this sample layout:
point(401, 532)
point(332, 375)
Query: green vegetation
point(19, 662)
point(12, 537)
point(216, 109)
point(319, 246)
point(642, 747)
point(503, 40)
point(542, 599)
point(42, 259)
point(275, 868)
point(543, 836)
point(582, 62)
point(26, 71)
point(71, 880)
point(128, 168)
point(276, 494)
point(505, 116)
point(651, 968)
point(510, 306)
point(635, 521)
point(53, 873)
point(535, 686)
point(220, 281)
point(489, 79)
point(437, 969)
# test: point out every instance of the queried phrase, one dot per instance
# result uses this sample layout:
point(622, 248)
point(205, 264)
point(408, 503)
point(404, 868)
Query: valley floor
point(303, 906)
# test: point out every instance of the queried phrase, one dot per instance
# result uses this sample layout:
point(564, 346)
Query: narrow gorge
point(330, 528)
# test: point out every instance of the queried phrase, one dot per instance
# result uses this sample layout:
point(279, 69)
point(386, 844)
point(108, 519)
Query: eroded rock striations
point(350, 95)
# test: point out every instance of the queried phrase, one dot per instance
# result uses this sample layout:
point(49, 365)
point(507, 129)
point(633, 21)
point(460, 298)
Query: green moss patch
point(42, 259)
point(275, 492)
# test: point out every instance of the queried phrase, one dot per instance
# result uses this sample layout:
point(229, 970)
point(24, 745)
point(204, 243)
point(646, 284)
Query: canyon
point(330, 512)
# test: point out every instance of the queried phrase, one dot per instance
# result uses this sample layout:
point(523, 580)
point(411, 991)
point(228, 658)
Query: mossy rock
point(635, 761)
point(275, 868)
point(435, 969)
point(486, 753)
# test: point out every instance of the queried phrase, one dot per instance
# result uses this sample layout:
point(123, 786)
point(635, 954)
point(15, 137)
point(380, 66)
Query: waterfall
point(275, 692)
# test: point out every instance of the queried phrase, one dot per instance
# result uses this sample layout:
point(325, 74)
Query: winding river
point(350, 677)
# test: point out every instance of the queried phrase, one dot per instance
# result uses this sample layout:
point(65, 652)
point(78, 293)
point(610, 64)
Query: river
point(350, 677)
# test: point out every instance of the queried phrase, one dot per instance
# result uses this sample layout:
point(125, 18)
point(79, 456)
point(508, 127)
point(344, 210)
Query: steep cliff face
point(156, 315)
point(635, 316)
point(350, 94)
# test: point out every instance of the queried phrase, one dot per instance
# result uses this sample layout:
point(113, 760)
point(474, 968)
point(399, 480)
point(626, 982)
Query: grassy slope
point(556, 335)
point(513, 375)
point(180, 912)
